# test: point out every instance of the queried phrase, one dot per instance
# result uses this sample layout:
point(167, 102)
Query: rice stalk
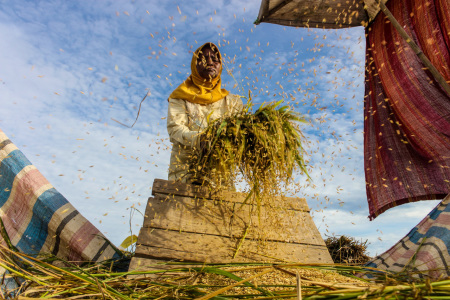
point(263, 148)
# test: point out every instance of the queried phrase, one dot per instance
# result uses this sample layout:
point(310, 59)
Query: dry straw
point(38, 279)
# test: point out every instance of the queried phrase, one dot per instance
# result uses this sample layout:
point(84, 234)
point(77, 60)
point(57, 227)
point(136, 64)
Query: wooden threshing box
point(190, 223)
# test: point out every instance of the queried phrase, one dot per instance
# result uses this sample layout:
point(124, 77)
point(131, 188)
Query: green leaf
point(209, 116)
point(129, 241)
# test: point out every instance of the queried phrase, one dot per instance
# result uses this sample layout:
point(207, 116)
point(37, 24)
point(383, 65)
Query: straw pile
point(347, 250)
point(264, 149)
point(39, 279)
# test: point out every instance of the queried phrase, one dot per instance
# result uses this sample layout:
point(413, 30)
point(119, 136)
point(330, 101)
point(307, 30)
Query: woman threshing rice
point(197, 101)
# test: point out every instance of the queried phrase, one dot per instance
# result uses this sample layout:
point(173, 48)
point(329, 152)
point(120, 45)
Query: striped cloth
point(38, 219)
point(407, 113)
point(426, 248)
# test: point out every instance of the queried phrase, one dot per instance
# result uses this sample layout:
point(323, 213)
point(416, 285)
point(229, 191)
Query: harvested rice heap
point(263, 149)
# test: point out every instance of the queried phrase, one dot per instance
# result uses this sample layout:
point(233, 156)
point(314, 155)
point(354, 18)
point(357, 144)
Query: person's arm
point(177, 124)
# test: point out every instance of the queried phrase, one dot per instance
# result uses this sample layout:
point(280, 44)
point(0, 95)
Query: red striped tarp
point(407, 113)
point(38, 219)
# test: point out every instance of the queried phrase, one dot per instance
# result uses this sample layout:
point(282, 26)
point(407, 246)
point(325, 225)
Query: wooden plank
point(167, 244)
point(230, 220)
point(172, 188)
point(194, 224)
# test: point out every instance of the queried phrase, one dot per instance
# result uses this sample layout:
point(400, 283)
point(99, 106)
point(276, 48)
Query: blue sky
point(70, 68)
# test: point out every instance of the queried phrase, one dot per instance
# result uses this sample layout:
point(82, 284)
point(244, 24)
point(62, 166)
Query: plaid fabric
point(38, 218)
point(426, 248)
point(407, 113)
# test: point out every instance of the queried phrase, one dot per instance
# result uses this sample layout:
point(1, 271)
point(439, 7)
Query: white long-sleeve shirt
point(185, 121)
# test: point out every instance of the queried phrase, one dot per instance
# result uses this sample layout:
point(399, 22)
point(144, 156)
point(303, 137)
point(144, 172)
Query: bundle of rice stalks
point(263, 148)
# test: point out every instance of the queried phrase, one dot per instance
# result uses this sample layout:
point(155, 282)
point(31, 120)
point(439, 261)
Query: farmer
point(198, 99)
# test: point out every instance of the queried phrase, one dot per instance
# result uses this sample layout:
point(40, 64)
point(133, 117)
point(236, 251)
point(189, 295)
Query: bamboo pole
point(437, 76)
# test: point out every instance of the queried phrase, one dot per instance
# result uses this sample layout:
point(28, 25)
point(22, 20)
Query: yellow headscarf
point(197, 90)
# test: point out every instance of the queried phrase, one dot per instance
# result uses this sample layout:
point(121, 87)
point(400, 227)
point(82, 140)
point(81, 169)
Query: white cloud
point(382, 233)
